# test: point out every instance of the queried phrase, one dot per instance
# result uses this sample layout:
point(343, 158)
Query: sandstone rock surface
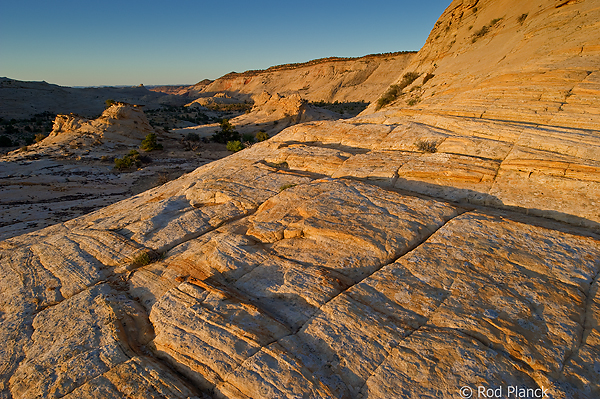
point(71, 172)
point(329, 79)
point(345, 259)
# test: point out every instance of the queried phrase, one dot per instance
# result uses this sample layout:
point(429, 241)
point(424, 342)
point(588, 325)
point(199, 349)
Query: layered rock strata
point(410, 252)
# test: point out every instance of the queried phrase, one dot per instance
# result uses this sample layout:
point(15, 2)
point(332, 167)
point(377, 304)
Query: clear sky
point(128, 42)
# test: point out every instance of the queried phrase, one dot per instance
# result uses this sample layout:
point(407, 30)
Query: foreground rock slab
point(244, 279)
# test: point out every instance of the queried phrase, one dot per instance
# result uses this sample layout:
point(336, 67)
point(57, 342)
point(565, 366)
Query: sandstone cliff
point(408, 252)
point(329, 79)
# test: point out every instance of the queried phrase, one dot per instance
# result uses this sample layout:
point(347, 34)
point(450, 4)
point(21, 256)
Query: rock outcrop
point(270, 113)
point(328, 79)
point(72, 171)
point(416, 251)
point(120, 123)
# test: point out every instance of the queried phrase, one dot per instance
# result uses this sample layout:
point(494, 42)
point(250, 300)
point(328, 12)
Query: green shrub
point(413, 101)
point(131, 159)
point(235, 146)
point(39, 137)
point(5, 141)
point(146, 257)
point(426, 146)
point(247, 138)
point(192, 137)
point(262, 136)
point(485, 29)
point(150, 143)
point(226, 134)
point(395, 91)
point(286, 186)
point(110, 102)
point(123, 163)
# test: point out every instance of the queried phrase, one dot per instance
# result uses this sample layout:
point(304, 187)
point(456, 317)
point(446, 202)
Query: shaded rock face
point(405, 253)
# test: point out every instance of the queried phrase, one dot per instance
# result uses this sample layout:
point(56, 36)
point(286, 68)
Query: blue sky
point(128, 42)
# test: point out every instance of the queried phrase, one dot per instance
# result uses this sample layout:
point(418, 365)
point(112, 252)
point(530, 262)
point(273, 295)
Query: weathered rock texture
point(71, 172)
point(342, 259)
point(328, 79)
point(270, 113)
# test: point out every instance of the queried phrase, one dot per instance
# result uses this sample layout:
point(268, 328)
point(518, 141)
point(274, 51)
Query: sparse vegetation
point(286, 186)
point(39, 137)
point(280, 165)
point(262, 136)
point(110, 102)
point(248, 138)
point(484, 29)
point(150, 143)
point(226, 134)
point(429, 146)
point(146, 257)
point(395, 91)
point(192, 137)
point(522, 18)
point(133, 158)
point(413, 101)
point(345, 108)
point(235, 146)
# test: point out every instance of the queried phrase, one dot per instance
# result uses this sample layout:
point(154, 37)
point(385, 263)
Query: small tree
point(150, 143)
point(235, 146)
point(227, 133)
point(262, 136)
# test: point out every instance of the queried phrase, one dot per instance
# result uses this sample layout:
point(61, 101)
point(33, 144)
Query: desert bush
point(110, 102)
point(150, 143)
point(485, 29)
point(395, 91)
point(262, 136)
point(429, 146)
point(133, 158)
point(413, 101)
point(123, 163)
point(286, 186)
point(39, 137)
point(235, 146)
point(192, 137)
point(5, 141)
point(226, 134)
point(146, 257)
point(248, 138)
point(392, 93)
point(522, 18)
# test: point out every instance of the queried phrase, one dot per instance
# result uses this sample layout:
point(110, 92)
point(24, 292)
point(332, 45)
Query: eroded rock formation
point(407, 252)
